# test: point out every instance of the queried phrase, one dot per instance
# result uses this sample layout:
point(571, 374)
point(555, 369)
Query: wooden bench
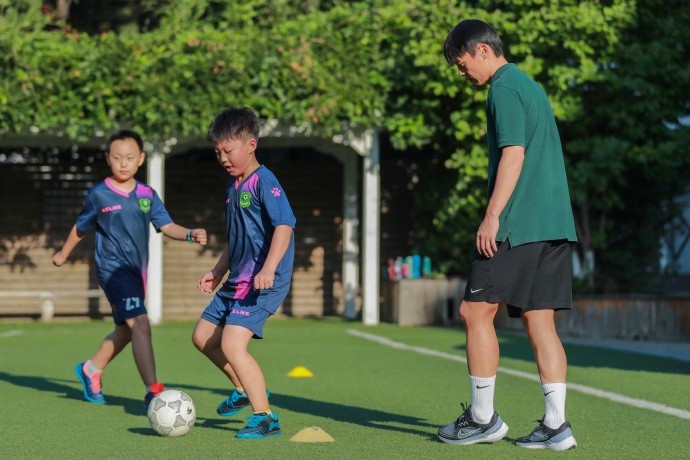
point(46, 304)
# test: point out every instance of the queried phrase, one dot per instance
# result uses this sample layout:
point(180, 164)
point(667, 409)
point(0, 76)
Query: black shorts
point(533, 276)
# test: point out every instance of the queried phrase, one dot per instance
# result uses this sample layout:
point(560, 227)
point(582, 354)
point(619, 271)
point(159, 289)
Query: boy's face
point(124, 159)
point(473, 67)
point(236, 155)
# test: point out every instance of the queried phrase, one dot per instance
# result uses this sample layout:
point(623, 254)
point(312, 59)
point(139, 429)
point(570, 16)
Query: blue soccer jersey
point(122, 228)
point(253, 209)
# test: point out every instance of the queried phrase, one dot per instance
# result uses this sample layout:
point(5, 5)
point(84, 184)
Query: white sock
point(91, 368)
point(482, 398)
point(554, 399)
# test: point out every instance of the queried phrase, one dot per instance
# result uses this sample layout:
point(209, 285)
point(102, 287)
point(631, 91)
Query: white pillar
point(350, 235)
point(154, 287)
point(370, 256)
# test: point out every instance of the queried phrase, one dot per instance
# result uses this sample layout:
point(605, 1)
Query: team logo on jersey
point(145, 204)
point(245, 199)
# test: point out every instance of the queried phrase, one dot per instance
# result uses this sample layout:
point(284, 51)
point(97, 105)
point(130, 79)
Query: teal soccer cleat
point(260, 426)
point(234, 403)
point(92, 385)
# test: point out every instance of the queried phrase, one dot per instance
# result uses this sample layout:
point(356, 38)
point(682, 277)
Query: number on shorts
point(131, 303)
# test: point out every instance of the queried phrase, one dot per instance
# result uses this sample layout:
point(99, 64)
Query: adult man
point(523, 243)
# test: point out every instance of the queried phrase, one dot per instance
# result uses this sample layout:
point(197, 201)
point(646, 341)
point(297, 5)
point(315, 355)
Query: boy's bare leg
point(235, 340)
point(142, 348)
point(111, 346)
point(207, 339)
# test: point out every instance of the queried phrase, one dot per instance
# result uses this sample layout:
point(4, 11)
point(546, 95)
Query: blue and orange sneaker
point(261, 425)
point(234, 403)
point(154, 389)
point(91, 384)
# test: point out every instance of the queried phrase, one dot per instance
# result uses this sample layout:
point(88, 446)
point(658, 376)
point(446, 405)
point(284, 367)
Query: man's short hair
point(467, 35)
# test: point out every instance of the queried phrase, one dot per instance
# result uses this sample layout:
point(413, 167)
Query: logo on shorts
point(245, 199)
point(237, 311)
point(145, 204)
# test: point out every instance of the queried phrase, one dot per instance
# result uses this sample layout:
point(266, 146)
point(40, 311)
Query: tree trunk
point(62, 9)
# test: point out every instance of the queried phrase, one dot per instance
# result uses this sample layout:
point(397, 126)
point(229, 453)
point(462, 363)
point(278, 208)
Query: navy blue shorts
point(125, 291)
point(532, 276)
point(126, 308)
point(224, 311)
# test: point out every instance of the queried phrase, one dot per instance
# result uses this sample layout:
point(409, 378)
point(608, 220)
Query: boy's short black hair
point(466, 35)
point(234, 123)
point(125, 134)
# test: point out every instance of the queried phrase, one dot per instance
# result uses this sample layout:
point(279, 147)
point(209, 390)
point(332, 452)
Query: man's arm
point(509, 168)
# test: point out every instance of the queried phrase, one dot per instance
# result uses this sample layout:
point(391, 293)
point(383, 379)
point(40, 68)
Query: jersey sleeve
point(159, 215)
point(508, 112)
point(277, 205)
point(87, 215)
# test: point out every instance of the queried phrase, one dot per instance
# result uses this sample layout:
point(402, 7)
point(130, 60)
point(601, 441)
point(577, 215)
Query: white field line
point(10, 333)
point(638, 403)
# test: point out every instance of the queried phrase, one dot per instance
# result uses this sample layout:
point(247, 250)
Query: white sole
point(567, 443)
point(493, 437)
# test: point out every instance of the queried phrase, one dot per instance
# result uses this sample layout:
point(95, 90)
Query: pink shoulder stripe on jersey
point(251, 182)
point(109, 184)
point(144, 191)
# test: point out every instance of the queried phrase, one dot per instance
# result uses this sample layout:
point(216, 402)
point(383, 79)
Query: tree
point(615, 71)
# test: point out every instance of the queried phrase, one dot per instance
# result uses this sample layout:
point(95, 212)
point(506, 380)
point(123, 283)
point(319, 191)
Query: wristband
point(189, 235)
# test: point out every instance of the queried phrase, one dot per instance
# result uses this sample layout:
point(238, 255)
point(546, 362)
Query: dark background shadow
point(516, 346)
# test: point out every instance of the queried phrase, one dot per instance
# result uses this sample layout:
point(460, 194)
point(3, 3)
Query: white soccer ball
point(172, 413)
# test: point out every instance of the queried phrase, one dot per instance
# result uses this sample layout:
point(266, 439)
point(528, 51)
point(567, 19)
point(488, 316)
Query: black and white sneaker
point(466, 431)
point(544, 437)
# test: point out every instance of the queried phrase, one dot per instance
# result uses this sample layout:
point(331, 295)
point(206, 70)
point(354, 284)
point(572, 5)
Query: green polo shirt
point(518, 113)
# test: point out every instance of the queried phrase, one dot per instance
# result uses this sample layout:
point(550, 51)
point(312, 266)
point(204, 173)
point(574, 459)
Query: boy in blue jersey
point(258, 260)
point(522, 255)
point(121, 209)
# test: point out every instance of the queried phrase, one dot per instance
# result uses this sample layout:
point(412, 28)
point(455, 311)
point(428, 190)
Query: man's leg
point(551, 362)
point(553, 432)
point(547, 347)
point(482, 343)
point(482, 356)
point(478, 423)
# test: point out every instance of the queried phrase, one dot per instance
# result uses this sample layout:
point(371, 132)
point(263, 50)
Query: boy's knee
point(139, 324)
point(198, 341)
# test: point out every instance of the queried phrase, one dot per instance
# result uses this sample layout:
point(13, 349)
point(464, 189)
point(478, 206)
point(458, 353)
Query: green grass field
point(377, 401)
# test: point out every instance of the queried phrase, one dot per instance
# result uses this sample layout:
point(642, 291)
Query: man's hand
point(486, 236)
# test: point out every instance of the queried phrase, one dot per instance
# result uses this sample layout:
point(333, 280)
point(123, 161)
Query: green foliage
point(616, 73)
point(314, 70)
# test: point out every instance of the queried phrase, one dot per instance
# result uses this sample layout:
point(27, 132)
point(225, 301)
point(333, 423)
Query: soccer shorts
point(532, 276)
point(125, 292)
point(225, 311)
